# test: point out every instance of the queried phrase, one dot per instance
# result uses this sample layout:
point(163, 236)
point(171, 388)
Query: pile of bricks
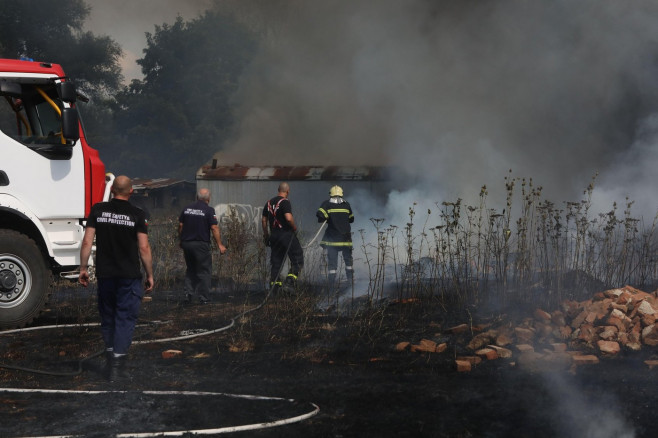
point(578, 333)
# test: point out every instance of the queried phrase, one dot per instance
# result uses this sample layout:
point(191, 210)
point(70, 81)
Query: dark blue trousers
point(119, 301)
point(198, 260)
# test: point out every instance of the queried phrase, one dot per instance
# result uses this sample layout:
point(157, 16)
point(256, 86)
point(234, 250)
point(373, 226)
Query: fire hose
point(295, 419)
point(150, 341)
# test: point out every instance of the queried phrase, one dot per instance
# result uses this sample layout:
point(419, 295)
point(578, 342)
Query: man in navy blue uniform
point(279, 233)
point(121, 235)
point(195, 224)
point(337, 212)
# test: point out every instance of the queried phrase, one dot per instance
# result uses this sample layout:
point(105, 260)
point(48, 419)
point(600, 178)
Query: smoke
point(456, 93)
point(632, 178)
point(582, 415)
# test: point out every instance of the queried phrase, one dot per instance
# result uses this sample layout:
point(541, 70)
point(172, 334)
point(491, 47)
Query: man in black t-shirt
point(279, 232)
point(195, 224)
point(120, 230)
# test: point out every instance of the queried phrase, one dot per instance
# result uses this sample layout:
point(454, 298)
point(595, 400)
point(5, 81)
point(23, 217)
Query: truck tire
point(24, 280)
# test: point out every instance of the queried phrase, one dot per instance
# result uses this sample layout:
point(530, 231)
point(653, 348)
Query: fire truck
point(49, 179)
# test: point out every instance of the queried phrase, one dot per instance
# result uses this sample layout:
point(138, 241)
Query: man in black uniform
point(195, 224)
point(121, 242)
point(279, 232)
point(338, 236)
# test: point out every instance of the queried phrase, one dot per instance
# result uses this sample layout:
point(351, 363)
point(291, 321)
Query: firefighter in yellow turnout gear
point(338, 236)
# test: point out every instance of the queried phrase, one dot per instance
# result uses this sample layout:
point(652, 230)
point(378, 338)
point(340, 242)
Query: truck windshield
point(34, 117)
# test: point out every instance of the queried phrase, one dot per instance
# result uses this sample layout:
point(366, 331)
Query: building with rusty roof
point(245, 188)
point(162, 195)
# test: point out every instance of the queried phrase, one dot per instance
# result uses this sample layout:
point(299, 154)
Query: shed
point(247, 188)
point(162, 195)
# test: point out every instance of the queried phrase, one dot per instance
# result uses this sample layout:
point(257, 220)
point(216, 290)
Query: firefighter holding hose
point(338, 236)
point(279, 232)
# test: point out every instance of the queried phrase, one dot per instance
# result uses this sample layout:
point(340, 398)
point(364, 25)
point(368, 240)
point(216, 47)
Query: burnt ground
point(294, 358)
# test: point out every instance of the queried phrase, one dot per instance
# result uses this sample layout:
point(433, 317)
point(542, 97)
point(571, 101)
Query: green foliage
point(52, 32)
point(180, 113)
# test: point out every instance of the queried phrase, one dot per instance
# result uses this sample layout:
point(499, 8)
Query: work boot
point(275, 287)
point(117, 369)
point(331, 284)
point(109, 355)
point(290, 284)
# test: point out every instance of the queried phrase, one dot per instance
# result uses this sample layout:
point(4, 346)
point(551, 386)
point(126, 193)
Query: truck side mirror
point(70, 130)
point(66, 91)
point(11, 89)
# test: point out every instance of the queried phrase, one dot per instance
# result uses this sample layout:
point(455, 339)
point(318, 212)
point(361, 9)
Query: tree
point(180, 113)
point(51, 31)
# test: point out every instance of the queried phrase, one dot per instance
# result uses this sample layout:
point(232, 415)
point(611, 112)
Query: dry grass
point(460, 256)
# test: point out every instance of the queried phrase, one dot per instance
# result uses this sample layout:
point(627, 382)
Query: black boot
point(331, 284)
point(109, 355)
point(118, 369)
point(290, 284)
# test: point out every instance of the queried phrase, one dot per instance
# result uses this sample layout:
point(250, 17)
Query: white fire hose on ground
point(221, 430)
point(255, 426)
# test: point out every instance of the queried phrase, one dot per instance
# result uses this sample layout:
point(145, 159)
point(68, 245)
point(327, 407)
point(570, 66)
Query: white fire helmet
point(336, 191)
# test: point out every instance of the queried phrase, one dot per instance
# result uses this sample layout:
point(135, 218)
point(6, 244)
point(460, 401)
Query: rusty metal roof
point(144, 184)
point(238, 172)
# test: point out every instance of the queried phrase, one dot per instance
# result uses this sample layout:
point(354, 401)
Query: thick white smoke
point(456, 93)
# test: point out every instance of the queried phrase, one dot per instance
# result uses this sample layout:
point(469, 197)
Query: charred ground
point(285, 348)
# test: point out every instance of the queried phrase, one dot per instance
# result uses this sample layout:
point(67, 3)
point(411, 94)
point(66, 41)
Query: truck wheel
point(24, 280)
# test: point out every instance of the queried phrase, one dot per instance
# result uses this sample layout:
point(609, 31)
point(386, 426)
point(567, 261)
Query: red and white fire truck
point(49, 179)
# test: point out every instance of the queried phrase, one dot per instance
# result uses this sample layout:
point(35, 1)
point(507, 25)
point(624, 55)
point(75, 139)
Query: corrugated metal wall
point(249, 196)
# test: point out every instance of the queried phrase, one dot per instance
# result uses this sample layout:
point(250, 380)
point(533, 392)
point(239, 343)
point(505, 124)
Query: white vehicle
point(49, 179)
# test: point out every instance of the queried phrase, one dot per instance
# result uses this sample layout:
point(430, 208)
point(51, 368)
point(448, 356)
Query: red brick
point(474, 360)
point(559, 346)
point(599, 296)
point(651, 363)
point(168, 354)
point(463, 366)
point(501, 352)
point(645, 308)
point(612, 293)
point(487, 353)
point(608, 347)
point(565, 332)
point(542, 315)
point(578, 320)
point(608, 332)
point(586, 359)
point(401, 346)
point(558, 318)
point(624, 298)
point(524, 335)
point(461, 328)
point(587, 333)
point(428, 345)
point(650, 335)
point(480, 341)
point(545, 330)
point(524, 347)
point(503, 340)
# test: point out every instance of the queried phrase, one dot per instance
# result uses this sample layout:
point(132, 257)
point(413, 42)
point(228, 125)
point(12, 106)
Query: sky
point(454, 93)
point(127, 21)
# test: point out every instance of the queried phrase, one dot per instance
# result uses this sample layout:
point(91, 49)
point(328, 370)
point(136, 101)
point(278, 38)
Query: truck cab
point(49, 179)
